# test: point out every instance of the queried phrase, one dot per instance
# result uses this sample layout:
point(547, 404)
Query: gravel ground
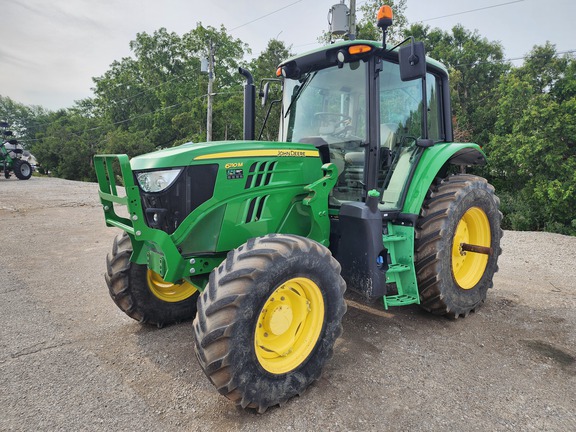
point(70, 360)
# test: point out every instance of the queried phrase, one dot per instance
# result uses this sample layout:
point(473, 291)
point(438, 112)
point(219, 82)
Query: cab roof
point(326, 56)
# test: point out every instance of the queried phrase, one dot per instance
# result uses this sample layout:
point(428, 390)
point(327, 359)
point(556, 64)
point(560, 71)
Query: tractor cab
point(351, 102)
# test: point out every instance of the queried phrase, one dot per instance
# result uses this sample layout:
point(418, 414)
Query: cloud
point(18, 60)
point(62, 14)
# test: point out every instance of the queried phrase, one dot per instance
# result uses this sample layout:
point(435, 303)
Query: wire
point(471, 10)
point(78, 134)
point(556, 54)
point(449, 15)
point(264, 16)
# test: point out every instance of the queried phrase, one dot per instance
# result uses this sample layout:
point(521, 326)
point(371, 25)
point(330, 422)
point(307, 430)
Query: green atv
point(11, 157)
point(257, 241)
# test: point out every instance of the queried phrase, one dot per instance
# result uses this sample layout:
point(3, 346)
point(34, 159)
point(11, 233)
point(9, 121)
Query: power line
point(267, 15)
point(446, 16)
point(146, 90)
point(78, 134)
point(112, 124)
point(556, 54)
point(471, 10)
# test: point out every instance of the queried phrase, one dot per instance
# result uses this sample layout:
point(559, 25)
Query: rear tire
point(22, 169)
point(460, 209)
point(142, 294)
point(268, 319)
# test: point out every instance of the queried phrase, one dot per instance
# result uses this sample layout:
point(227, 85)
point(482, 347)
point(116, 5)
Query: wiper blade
point(307, 81)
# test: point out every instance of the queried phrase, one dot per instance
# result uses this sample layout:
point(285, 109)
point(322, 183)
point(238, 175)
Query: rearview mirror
point(264, 93)
point(412, 59)
point(265, 88)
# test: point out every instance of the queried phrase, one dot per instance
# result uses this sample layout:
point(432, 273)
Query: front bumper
point(151, 246)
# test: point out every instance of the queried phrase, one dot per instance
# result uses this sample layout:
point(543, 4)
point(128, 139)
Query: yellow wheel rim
point(289, 325)
point(168, 291)
point(474, 229)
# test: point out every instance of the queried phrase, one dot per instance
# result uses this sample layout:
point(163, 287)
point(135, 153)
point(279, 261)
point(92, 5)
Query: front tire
point(268, 319)
point(459, 213)
point(22, 169)
point(142, 294)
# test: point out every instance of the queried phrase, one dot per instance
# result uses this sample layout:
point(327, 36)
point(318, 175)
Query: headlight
point(156, 181)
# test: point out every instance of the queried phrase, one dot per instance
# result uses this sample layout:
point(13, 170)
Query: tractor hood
point(198, 153)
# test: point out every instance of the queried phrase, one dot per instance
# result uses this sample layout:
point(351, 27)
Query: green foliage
point(533, 147)
point(24, 121)
point(524, 116)
point(133, 144)
point(264, 66)
point(156, 89)
point(68, 144)
point(367, 27)
point(476, 65)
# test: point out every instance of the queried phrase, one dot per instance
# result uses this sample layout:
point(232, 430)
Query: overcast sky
point(50, 50)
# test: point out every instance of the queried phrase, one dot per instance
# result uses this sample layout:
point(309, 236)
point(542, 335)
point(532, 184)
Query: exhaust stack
point(249, 105)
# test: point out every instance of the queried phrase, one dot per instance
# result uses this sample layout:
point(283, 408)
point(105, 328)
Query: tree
point(476, 66)
point(367, 26)
point(264, 66)
point(157, 89)
point(23, 120)
point(533, 148)
point(68, 144)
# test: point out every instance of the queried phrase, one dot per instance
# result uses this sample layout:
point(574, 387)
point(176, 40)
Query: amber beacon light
point(385, 16)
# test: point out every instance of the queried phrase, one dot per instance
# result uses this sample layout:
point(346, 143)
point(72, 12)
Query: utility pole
point(352, 32)
point(210, 80)
point(342, 21)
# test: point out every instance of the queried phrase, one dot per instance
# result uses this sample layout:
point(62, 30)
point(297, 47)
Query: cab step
point(399, 300)
point(399, 242)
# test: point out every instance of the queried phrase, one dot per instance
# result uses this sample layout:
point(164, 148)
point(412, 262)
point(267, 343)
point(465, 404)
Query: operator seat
point(354, 161)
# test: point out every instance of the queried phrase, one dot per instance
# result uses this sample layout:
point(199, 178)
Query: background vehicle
point(11, 156)
point(258, 240)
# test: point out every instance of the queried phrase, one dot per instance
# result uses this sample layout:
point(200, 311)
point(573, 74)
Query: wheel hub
point(469, 262)
point(279, 321)
point(289, 325)
point(168, 291)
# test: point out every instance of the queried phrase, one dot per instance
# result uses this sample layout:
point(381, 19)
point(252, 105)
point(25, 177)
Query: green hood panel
point(195, 153)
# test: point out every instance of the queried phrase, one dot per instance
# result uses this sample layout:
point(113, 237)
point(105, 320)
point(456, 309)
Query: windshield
point(327, 108)
point(330, 103)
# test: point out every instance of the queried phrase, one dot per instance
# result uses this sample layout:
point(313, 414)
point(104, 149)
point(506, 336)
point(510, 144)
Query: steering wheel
point(341, 124)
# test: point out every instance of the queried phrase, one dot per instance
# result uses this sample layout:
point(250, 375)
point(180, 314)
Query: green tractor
point(257, 241)
point(11, 156)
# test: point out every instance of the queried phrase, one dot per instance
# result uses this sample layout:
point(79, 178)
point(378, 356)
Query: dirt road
point(70, 360)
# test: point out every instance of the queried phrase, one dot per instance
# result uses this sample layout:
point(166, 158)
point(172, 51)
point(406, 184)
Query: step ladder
point(400, 245)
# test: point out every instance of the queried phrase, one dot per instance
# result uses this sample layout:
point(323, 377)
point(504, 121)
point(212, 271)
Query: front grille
point(167, 209)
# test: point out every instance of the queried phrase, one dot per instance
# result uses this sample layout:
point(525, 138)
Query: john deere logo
point(291, 153)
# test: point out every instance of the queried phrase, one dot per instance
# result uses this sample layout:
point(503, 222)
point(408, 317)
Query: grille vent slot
point(255, 208)
point(260, 174)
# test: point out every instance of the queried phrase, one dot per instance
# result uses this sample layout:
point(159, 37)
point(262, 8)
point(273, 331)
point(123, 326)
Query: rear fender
point(431, 164)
